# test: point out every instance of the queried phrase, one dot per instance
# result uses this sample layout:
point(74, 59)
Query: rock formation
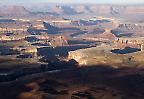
point(57, 41)
point(129, 30)
point(102, 55)
point(14, 11)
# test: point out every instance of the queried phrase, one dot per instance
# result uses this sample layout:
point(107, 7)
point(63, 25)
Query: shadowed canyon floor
point(97, 82)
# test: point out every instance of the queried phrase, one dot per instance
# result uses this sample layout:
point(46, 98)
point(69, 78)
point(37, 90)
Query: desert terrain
point(71, 51)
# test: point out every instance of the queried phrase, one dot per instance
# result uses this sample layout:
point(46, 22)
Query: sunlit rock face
point(102, 55)
point(78, 56)
point(89, 56)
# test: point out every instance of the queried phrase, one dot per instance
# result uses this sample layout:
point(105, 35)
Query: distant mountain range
point(56, 10)
point(14, 11)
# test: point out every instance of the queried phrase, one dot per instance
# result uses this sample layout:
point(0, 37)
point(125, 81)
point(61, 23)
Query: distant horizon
point(53, 3)
point(113, 2)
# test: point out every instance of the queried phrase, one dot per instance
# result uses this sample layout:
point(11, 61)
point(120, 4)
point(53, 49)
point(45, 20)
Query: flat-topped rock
point(102, 55)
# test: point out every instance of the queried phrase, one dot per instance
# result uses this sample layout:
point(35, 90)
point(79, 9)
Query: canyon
point(103, 55)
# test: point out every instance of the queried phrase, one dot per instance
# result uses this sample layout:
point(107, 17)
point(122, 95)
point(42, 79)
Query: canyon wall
point(102, 55)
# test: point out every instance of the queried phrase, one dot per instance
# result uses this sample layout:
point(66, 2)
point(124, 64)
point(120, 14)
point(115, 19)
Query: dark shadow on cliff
point(125, 50)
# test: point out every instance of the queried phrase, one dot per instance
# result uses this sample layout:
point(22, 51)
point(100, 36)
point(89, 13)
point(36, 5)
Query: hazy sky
point(76, 1)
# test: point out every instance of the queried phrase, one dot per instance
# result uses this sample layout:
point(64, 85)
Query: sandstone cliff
point(103, 55)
